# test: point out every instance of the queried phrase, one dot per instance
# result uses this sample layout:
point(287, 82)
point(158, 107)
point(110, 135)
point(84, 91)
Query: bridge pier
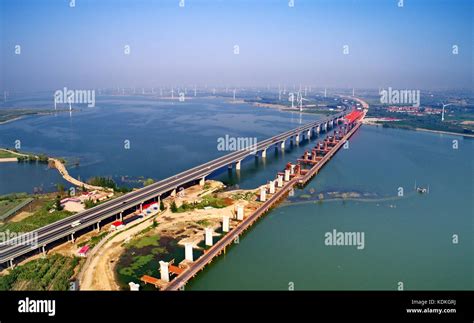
point(309, 134)
point(263, 194)
point(237, 165)
point(173, 193)
point(240, 212)
point(282, 145)
point(121, 216)
point(208, 233)
point(225, 223)
point(188, 251)
point(12, 265)
point(98, 225)
point(271, 187)
point(297, 138)
point(280, 181)
point(72, 237)
point(202, 181)
point(287, 175)
point(43, 249)
point(164, 272)
point(141, 207)
point(264, 153)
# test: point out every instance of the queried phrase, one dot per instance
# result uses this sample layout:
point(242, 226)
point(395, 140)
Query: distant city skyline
point(336, 44)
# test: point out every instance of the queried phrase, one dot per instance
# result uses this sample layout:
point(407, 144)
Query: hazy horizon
point(84, 46)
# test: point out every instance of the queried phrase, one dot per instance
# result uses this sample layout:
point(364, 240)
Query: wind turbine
point(444, 106)
point(291, 97)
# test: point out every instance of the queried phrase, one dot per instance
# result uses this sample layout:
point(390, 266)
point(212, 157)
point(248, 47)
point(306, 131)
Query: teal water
point(407, 240)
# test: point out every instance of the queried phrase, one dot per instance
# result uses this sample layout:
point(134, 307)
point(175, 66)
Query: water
point(164, 137)
point(407, 239)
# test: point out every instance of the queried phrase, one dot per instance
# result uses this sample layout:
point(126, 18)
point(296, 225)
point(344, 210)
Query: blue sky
point(83, 47)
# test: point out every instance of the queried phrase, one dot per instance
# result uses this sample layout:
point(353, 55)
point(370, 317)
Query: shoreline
point(423, 130)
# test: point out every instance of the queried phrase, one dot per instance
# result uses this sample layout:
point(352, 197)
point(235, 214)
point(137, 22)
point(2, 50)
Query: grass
point(37, 220)
point(93, 241)
point(7, 154)
point(144, 242)
point(51, 273)
point(210, 200)
point(6, 205)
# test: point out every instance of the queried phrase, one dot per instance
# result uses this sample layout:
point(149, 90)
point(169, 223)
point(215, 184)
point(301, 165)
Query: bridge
point(38, 239)
point(293, 175)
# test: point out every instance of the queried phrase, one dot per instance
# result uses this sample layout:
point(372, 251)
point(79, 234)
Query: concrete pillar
point(282, 145)
point(188, 251)
point(164, 273)
point(297, 138)
point(292, 169)
point(287, 175)
point(263, 194)
point(271, 186)
point(72, 237)
point(133, 286)
point(225, 223)
point(318, 129)
point(98, 226)
point(237, 165)
point(309, 134)
point(121, 216)
point(11, 264)
point(141, 207)
point(173, 193)
point(202, 181)
point(44, 250)
point(264, 153)
point(208, 236)
point(240, 212)
point(280, 181)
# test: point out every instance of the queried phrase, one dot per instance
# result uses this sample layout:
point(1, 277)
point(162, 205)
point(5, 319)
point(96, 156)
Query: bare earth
point(98, 273)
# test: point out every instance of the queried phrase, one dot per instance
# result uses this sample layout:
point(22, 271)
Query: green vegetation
point(248, 196)
point(162, 205)
point(142, 256)
point(93, 241)
point(10, 202)
point(89, 204)
point(427, 121)
point(173, 207)
point(107, 182)
point(11, 114)
point(148, 181)
point(210, 200)
point(40, 218)
point(7, 154)
point(51, 273)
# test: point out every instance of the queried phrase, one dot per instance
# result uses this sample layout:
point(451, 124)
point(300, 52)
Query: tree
point(162, 205)
point(60, 188)
point(173, 207)
point(148, 181)
point(59, 207)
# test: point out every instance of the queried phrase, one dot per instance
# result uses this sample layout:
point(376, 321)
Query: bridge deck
point(220, 246)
